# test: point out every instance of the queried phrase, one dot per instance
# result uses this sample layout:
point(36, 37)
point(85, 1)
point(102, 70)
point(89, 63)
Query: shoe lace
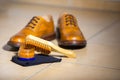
point(33, 22)
point(70, 20)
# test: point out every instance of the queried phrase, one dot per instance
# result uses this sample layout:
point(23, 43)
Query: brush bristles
point(44, 49)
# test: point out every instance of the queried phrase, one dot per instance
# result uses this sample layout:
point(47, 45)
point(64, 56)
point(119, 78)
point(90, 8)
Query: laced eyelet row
point(70, 20)
point(33, 22)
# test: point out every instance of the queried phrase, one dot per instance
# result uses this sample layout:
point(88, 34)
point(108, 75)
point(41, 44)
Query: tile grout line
point(28, 78)
point(102, 30)
point(95, 66)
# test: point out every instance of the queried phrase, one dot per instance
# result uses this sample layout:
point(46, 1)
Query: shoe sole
point(72, 44)
point(46, 37)
point(69, 44)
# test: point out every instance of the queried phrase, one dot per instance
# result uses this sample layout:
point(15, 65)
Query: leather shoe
point(39, 26)
point(69, 34)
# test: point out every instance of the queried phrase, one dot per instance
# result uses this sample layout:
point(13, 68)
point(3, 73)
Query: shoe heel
point(49, 37)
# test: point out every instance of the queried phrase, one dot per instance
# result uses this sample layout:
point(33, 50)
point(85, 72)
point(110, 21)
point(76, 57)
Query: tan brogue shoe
point(39, 26)
point(69, 33)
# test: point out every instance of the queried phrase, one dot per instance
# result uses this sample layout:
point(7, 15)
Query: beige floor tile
point(69, 71)
point(97, 55)
point(12, 71)
point(92, 23)
point(109, 36)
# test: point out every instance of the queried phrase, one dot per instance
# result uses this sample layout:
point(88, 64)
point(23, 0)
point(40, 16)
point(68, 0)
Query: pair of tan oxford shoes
point(68, 32)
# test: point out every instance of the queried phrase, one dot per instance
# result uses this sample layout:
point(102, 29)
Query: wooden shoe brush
point(46, 47)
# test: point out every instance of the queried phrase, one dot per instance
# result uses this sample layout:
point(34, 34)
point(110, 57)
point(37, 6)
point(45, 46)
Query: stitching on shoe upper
point(33, 22)
point(70, 20)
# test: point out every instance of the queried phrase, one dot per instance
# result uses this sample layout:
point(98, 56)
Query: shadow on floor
point(10, 48)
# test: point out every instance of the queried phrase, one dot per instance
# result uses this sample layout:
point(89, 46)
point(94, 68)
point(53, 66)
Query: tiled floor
point(100, 60)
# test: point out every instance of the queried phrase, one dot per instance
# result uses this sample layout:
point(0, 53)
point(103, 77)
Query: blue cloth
point(39, 59)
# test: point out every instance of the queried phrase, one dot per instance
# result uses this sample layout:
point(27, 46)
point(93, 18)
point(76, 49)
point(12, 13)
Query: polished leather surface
point(38, 26)
point(69, 31)
point(26, 52)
